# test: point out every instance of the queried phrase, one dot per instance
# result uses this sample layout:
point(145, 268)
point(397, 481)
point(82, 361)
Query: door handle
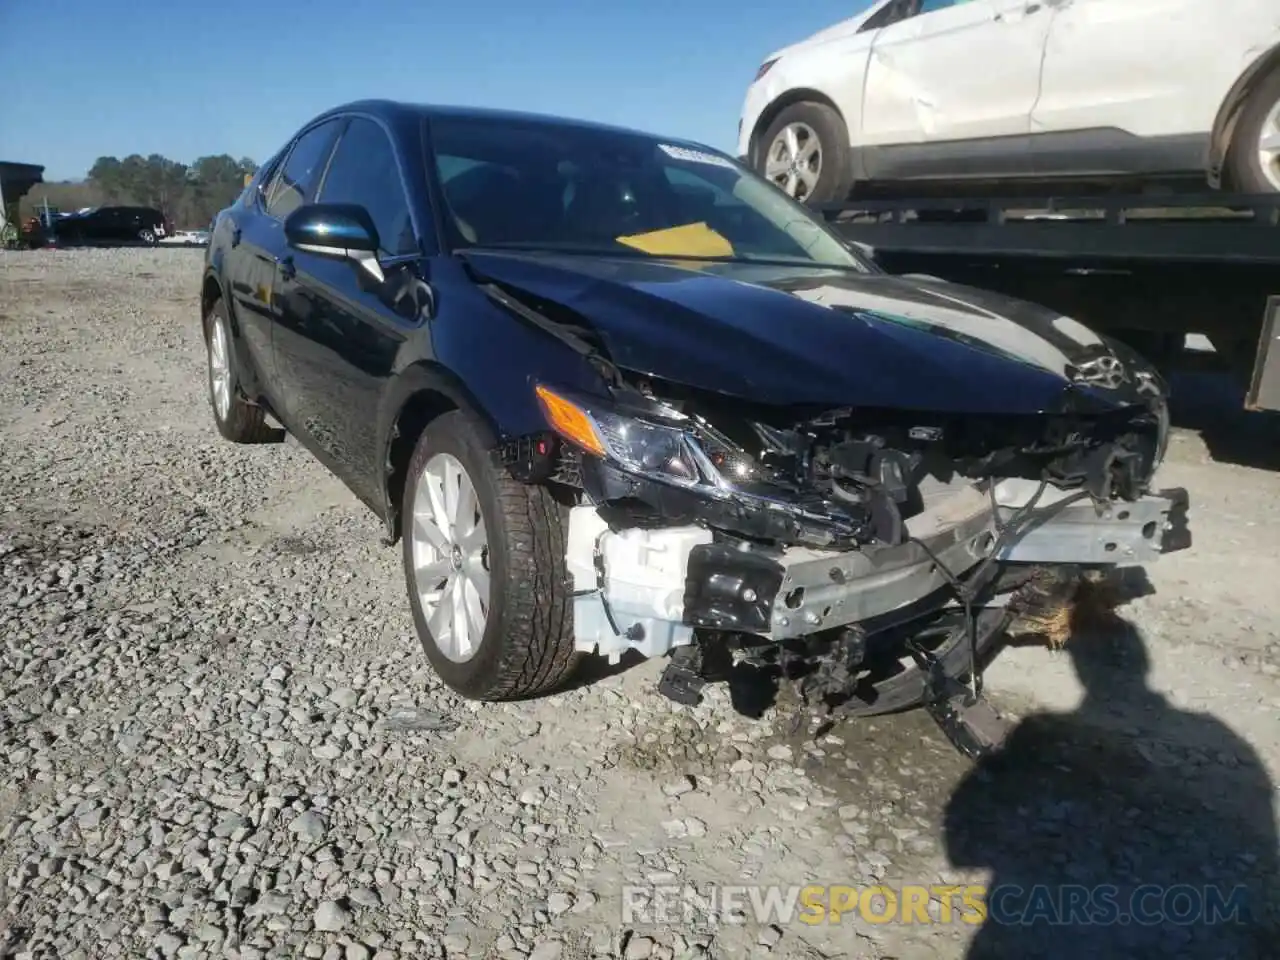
point(1032, 8)
point(287, 268)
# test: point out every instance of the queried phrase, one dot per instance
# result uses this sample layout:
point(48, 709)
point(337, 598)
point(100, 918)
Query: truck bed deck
point(1204, 228)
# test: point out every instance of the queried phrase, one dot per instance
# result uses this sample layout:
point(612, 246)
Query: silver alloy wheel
point(1269, 147)
point(450, 557)
point(147, 236)
point(794, 160)
point(220, 369)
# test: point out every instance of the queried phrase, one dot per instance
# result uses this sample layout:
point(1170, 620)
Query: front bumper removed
point(649, 589)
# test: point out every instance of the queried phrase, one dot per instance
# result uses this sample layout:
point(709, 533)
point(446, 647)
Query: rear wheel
point(1253, 162)
point(147, 236)
point(238, 420)
point(484, 562)
point(805, 153)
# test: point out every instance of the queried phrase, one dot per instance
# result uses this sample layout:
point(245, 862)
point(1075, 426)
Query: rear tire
point(805, 152)
point(238, 420)
point(1245, 170)
point(511, 574)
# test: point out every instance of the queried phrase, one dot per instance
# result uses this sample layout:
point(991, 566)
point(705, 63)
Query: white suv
point(914, 91)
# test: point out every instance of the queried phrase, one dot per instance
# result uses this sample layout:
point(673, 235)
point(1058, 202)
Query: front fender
point(420, 393)
point(428, 377)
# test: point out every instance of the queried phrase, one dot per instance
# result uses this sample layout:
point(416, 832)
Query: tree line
point(188, 194)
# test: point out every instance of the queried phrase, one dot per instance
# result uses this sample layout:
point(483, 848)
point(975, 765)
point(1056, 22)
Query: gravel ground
point(219, 737)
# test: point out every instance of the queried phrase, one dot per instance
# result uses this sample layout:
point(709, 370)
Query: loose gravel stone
point(547, 950)
point(331, 916)
point(309, 827)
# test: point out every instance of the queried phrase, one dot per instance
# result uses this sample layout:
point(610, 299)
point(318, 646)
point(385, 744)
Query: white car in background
point(917, 92)
point(188, 238)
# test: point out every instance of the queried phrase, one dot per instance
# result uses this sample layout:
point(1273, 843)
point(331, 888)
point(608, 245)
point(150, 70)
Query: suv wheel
point(1253, 162)
point(147, 236)
point(485, 568)
point(805, 153)
point(238, 420)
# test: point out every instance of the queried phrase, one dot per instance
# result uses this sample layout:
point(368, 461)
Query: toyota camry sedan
point(614, 392)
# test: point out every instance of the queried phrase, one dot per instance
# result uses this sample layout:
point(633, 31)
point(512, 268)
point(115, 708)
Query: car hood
point(815, 336)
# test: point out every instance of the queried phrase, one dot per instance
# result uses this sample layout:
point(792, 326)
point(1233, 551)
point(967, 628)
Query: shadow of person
point(1127, 828)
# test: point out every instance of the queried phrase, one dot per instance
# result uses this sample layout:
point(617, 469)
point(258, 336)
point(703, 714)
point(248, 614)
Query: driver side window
point(364, 172)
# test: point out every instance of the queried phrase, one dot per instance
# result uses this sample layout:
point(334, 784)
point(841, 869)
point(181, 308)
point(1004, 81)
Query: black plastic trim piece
point(730, 589)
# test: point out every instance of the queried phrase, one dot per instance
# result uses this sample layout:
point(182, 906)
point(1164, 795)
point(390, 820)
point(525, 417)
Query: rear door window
point(295, 180)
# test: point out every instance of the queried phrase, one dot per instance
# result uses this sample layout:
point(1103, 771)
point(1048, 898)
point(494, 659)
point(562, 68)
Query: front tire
point(484, 563)
point(805, 153)
point(1253, 162)
point(237, 419)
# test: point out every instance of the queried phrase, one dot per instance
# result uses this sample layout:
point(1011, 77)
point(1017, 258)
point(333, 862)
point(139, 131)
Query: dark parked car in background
point(113, 225)
point(617, 392)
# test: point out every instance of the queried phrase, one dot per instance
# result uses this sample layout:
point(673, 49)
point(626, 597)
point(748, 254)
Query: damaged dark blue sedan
point(615, 392)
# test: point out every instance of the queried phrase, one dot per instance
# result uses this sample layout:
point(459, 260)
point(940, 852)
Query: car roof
point(396, 110)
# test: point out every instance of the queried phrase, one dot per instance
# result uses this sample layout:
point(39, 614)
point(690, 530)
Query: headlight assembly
point(665, 446)
point(647, 447)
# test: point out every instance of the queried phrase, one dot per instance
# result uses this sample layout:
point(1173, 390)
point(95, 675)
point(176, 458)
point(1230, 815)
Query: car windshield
point(529, 184)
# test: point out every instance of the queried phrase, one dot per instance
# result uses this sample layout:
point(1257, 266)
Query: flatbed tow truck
point(1146, 269)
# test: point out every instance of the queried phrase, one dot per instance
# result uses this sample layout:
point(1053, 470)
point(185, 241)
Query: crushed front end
point(872, 556)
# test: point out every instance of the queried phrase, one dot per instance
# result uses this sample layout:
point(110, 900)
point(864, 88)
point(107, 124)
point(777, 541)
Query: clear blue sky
point(191, 77)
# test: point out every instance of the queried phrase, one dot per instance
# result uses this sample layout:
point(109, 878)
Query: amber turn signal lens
point(569, 420)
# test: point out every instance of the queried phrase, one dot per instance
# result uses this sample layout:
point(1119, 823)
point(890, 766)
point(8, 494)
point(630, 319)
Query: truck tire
point(1246, 171)
point(497, 549)
point(805, 152)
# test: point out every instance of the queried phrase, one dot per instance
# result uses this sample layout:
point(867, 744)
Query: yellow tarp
point(690, 240)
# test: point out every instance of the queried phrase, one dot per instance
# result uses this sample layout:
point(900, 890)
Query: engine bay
point(833, 479)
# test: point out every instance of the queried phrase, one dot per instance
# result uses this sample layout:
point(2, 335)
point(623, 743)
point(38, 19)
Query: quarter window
point(889, 14)
point(364, 172)
point(295, 180)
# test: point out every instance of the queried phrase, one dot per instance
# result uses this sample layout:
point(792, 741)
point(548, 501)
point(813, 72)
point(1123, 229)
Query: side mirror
point(342, 231)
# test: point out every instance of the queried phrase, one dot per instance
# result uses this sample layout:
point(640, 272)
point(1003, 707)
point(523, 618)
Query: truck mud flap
point(1264, 390)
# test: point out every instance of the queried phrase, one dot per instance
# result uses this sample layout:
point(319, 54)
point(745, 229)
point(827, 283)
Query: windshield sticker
point(690, 240)
point(694, 156)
